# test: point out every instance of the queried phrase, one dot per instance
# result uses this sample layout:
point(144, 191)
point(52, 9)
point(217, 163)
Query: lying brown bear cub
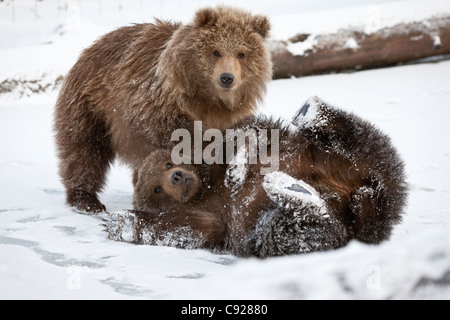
point(339, 179)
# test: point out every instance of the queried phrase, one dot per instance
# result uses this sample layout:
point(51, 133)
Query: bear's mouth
point(229, 97)
point(187, 184)
point(226, 88)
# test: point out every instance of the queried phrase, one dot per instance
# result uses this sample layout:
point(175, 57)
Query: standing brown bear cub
point(130, 90)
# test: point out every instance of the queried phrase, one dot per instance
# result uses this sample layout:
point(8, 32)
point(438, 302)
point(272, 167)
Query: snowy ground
point(47, 251)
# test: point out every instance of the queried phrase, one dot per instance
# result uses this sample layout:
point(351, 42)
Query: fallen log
point(352, 49)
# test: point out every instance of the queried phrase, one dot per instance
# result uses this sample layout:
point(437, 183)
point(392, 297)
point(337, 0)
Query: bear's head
point(160, 183)
point(219, 64)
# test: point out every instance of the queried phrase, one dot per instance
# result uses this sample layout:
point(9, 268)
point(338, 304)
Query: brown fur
point(349, 162)
point(132, 88)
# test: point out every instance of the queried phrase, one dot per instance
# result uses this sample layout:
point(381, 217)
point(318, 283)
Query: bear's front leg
point(120, 225)
point(180, 227)
point(84, 202)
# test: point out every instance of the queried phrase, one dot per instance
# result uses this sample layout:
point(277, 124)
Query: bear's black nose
point(226, 78)
point(177, 176)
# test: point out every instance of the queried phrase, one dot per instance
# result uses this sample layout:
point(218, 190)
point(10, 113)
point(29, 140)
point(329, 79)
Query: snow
point(351, 44)
point(49, 252)
point(300, 48)
point(437, 41)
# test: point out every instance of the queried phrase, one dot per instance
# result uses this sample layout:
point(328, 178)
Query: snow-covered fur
point(339, 179)
point(301, 223)
point(376, 203)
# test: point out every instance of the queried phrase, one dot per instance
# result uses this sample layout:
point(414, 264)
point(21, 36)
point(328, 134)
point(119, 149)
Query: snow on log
point(306, 54)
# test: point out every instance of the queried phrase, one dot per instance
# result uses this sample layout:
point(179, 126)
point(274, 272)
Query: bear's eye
point(157, 190)
point(169, 165)
point(241, 56)
point(217, 54)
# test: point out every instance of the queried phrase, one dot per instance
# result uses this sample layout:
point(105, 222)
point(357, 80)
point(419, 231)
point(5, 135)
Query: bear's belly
point(132, 148)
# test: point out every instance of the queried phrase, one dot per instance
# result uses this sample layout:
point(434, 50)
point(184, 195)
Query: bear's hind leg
point(289, 192)
point(300, 224)
point(284, 231)
point(331, 127)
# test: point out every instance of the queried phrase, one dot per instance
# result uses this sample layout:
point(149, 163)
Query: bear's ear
point(204, 17)
point(261, 25)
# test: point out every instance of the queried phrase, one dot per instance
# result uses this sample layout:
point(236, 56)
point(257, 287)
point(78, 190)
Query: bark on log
point(350, 49)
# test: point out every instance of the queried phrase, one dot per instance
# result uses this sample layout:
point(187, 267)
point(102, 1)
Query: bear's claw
point(297, 188)
point(119, 225)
